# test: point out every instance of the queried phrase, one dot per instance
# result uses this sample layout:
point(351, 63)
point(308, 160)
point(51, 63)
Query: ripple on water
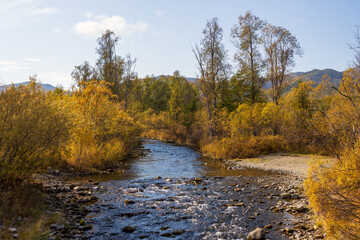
point(198, 208)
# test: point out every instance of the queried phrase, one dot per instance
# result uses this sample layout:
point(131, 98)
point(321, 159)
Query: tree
point(110, 66)
point(356, 48)
point(83, 73)
point(183, 100)
point(212, 64)
point(280, 48)
point(248, 41)
point(130, 75)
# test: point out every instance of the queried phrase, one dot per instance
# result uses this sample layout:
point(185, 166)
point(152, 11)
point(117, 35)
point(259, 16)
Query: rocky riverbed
point(184, 208)
point(172, 193)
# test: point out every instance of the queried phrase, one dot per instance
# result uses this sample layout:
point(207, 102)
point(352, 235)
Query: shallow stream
point(172, 192)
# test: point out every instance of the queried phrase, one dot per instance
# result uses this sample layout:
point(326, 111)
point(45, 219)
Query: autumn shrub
point(161, 127)
point(102, 134)
point(334, 194)
point(243, 147)
point(32, 131)
point(333, 186)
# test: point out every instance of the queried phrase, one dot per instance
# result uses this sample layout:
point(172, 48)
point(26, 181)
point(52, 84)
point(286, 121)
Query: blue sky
point(49, 38)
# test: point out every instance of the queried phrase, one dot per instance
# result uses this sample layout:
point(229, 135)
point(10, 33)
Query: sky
point(49, 38)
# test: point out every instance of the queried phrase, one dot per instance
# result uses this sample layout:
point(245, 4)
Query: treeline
point(225, 114)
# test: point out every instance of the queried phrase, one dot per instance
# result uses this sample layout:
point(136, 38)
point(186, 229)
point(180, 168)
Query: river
point(173, 192)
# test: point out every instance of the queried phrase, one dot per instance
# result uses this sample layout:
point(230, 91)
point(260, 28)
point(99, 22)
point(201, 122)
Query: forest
point(229, 112)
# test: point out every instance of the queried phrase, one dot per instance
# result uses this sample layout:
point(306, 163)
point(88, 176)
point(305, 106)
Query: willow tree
point(211, 58)
point(280, 48)
point(247, 39)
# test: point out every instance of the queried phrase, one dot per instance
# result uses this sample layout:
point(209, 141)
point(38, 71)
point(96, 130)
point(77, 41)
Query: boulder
point(257, 234)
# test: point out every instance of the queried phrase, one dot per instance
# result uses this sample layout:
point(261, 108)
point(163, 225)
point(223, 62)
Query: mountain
point(45, 86)
point(314, 75)
point(189, 79)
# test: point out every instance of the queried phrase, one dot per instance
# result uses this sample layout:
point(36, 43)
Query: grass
point(27, 202)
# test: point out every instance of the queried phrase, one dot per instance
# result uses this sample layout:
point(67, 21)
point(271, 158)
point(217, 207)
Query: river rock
point(177, 232)
point(166, 234)
point(257, 234)
point(285, 195)
point(128, 229)
point(127, 202)
point(50, 170)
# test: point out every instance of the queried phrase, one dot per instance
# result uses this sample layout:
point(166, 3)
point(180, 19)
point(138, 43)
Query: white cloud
point(94, 28)
point(31, 59)
point(12, 68)
point(88, 14)
point(159, 13)
point(17, 12)
point(44, 11)
point(8, 63)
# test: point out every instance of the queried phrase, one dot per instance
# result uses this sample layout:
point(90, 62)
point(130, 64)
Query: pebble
point(12, 230)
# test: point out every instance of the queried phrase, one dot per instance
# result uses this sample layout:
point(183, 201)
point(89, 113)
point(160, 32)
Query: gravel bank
point(294, 164)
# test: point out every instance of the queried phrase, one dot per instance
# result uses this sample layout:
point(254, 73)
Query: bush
point(31, 132)
point(333, 186)
point(333, 190)
point(101, 134)
point(161, 127)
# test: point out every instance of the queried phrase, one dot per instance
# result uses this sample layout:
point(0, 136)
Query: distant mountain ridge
point(45, 86)
point(315, 75)
point(189, 79)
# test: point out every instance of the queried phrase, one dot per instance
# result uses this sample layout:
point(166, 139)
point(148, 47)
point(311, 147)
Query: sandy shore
point(295, 164)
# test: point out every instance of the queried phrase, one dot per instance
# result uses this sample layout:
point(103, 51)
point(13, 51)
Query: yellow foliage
point(31, 132)
point(333, 187)
point(334, 194)
point(159, 126)
point(101, 134)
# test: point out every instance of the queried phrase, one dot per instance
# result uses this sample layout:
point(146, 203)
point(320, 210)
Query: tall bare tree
point(247, 40)
point(211, 58)
point(110, 66)
point(129, 75)
point(280, 48)
point(356, 48)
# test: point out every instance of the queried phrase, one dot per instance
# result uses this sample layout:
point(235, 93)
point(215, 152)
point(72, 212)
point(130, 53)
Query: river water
point(172, 192)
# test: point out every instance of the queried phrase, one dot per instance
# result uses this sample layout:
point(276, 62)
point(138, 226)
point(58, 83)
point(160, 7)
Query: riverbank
point(172, 193)
point(293, 164)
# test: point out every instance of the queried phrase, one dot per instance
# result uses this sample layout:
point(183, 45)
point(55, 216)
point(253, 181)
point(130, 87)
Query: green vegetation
point(96, 124)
